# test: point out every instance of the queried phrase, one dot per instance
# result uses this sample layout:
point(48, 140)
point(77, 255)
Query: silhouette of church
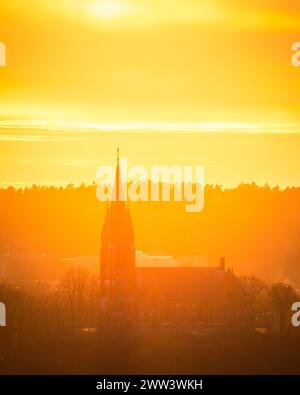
point(117, 256)
point(154, 295)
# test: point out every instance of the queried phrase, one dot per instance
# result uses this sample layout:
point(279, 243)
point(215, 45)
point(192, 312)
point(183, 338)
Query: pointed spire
point(118, 186)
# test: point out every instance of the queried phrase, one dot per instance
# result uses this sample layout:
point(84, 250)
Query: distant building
point(147, 260)
point(192, 260)
point(153, 295)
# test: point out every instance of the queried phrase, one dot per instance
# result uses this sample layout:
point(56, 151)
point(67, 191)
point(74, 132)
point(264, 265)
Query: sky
point(152, 66)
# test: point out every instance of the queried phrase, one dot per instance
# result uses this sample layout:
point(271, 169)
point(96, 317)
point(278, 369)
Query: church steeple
point(118, 191)
point(117, 260)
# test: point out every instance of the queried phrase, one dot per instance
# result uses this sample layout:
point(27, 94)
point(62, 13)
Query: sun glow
point(110, 9)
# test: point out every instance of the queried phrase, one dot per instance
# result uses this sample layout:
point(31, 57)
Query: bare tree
point(282, 295)
point(93, 299)
point(74, 289)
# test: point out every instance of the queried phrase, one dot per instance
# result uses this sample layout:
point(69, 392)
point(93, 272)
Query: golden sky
point(185, 65)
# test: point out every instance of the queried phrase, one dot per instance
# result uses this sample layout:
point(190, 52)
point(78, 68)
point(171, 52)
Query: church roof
point(182, 283)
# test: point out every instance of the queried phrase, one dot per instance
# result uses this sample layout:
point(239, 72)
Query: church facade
point(161, 295)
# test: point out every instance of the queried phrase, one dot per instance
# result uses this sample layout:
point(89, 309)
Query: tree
point(74, 288)
point(254, 287)
point(93, 300)
point(80, 292)
point(256, 291)
point(282, 295)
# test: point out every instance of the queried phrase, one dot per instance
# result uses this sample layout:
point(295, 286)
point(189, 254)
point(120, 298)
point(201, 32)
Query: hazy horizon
point(60, 157)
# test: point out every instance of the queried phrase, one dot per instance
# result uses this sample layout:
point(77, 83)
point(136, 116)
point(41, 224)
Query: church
point(162, 295)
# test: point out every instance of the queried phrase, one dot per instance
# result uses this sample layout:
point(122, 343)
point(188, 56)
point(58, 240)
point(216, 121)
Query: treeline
point(256, 228)
point(44, 333)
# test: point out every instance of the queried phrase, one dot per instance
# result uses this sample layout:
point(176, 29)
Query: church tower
point(117, 257)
